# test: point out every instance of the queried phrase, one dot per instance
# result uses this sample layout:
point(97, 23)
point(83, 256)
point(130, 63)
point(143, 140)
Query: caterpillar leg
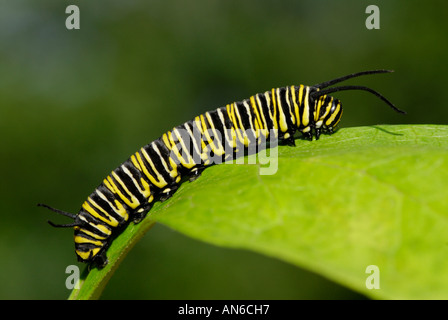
point(288, 138)
point(195, 173)
point(100, 260)
point(317, 133)
point(141, 213)
point(168, 193)
point(290, 141)
point(307, 135)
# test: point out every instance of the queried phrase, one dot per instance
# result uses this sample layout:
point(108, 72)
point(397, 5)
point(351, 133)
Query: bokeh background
point(75, 104)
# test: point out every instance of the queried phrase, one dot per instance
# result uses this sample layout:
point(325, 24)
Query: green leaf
point(362, 196)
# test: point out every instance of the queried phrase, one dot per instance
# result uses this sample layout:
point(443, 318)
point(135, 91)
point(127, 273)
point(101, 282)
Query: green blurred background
point(75, 104)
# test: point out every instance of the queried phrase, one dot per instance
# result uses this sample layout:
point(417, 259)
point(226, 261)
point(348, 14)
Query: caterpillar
point(155, 172)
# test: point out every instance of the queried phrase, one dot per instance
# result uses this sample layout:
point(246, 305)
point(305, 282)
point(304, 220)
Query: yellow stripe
point(186, 149)
point(269, 101)
point(252, 121)
point(81, 239)
point(218, 136)
point(231, 142)
point(100, 227)
point(121, 210)
point(282, 117)
point(172, 172)
point(317, 109)
point(296, 106)
point(83, 255)
point(117, 191)
point(301, 94)
point(205, 147)
point(118, 208)
point(306, 111)
point(146, 188)
point(291, 112)
point(173, 162)
point(209, 139)
point(193, 138)
point(274, 103)
point(124, 214)
point(111, 221)
point(158, 183)
point(236, 128)
point(134, 203)
point(257, 114)
point(232, 129)
point(265, 124)
point(242, 130)
point(326, 106)
point(93, 235)
point(135, 162)
point(334, 114)
point(143, 192)
point(174, 148)
point(88, 254)
point(197, 122)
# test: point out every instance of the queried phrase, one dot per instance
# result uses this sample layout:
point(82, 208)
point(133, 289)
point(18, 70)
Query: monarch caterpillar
point(154, 172)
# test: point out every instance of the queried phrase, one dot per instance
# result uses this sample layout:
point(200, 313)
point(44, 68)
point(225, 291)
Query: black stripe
point(217, 124)
point(81, 233)
point(137, 174)
point(302, 106)
point(242, 111)
point(120, 188)
point(251, 121)
point(276, 97)
point(111, 197)
point(129, 183)
point(206, 128)
point(289, 109)
point(85, 247)
point(92, 220)
point(227, 126)
point(197, 138)
point(184, 139)
point(157, 164)
point(265, 107)
point(165, 154)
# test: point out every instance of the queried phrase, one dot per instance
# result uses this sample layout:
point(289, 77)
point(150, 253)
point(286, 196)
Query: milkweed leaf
point(365, 196)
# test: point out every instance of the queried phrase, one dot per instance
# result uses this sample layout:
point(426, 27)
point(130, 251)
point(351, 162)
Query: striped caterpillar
point(155, 172)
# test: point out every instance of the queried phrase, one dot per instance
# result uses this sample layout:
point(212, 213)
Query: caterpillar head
point(87, 249)
point(327, 114)
point(328, 110)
